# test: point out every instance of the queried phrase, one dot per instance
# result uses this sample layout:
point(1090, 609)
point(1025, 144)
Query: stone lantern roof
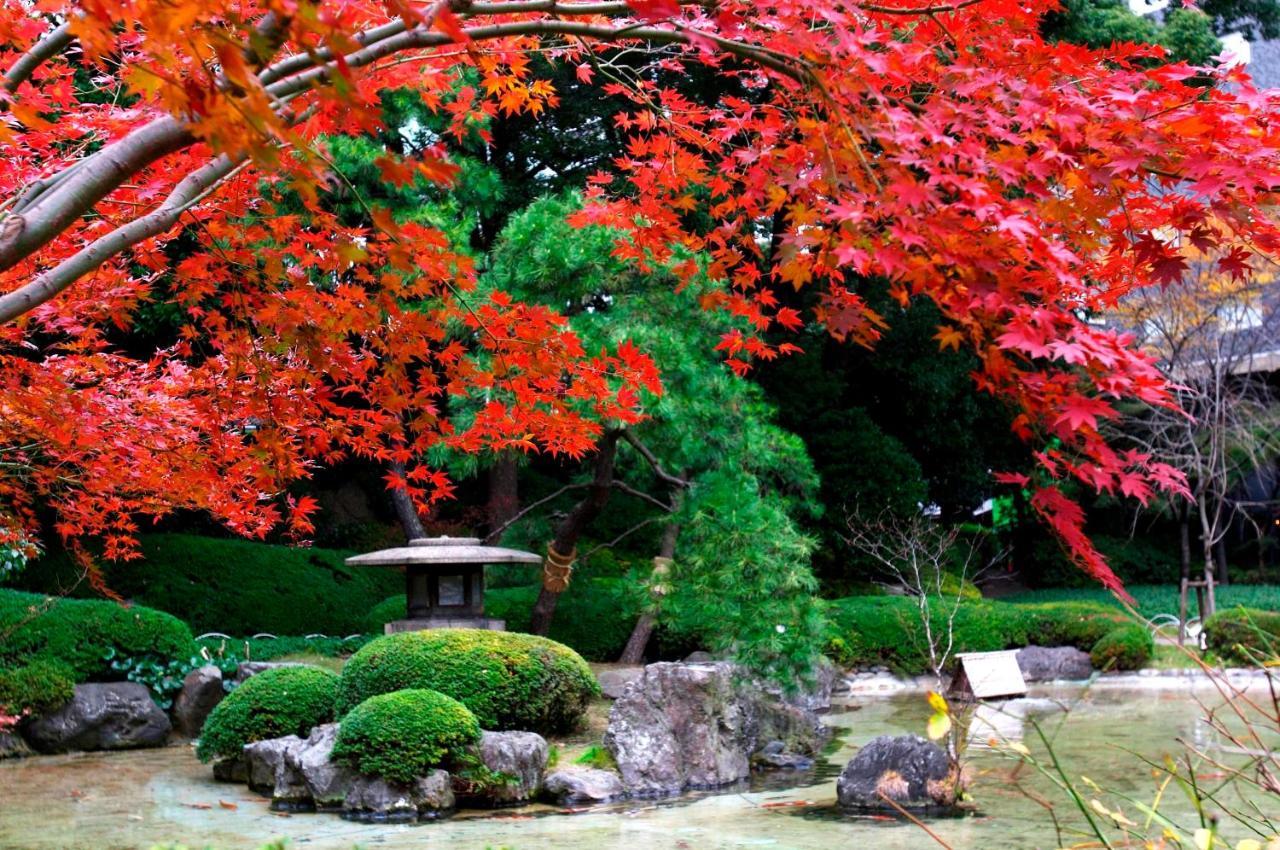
point(443, 550)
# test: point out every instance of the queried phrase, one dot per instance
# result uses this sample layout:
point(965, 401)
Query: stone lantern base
point(419, 624)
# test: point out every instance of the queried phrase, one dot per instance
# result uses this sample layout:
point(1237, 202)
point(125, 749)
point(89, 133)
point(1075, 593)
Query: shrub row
point(888, 630)
point(1244, 635)
point(238, 587)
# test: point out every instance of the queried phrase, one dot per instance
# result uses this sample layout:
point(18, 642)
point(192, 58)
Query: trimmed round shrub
point(508, 680)
point(404, 734)
point(79, 633)
point(38, 688)
point(1244, 635)
point(272, 704)
point(1126, 647)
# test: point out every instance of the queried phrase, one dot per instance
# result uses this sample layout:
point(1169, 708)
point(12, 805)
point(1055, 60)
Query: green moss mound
point(37, 688)
point(1126, 647)
point(595, 616)
point(80, 633)
point(508, 680)
point(1244, 635)
point(239, 587)
point(404, 734)
point(272, 704)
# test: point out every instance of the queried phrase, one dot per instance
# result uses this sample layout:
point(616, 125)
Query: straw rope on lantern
point(557, 569)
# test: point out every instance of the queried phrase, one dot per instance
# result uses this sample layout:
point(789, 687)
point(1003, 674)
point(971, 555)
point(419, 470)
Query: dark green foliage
point(1078, 624)
point(404, 734)
point(85, 634)
point(1244, 635)
point(37, 688)
point(508, 680)
point(272, 704)
point(1157, 599)
point(240, 587)
point(598, 757)
point(1187, 34)
point(1126, 647)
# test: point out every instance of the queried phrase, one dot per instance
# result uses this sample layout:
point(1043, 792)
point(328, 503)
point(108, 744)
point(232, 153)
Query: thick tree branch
point(192, 188)
point(53, 42)
point(654, 464)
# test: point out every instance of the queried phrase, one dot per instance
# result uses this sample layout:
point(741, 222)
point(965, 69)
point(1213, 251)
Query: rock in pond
point(12, 746)
point(201, 691)
point(427, 798)
point(519, 757)
point(774, 756)
point(231, 769)
point(1047, 663)
point(101, 716)
point(685, 726)
point(584, 785)
point(265, 758)
point(613, 683)
point(306, 778)
point(909, 770)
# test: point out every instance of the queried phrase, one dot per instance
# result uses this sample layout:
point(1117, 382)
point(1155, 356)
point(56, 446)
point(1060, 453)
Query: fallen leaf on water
point(786, 804)
point(573, 811)
point(198, 805)
point(281, 814)
point(226, 805)
point(76, 794)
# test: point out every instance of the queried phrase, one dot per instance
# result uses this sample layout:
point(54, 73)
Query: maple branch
point(920, 10)
point(188, 192)
point(42, 51)
point(493, 535)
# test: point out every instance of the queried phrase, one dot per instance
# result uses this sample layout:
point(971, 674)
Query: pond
point(136, 799)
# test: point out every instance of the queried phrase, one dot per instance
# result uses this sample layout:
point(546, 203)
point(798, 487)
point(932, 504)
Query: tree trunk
point(573, 525)
point(1220, 555)
point(504, 492)
point(405, 511)
point(639, 640)
point(1184, 535)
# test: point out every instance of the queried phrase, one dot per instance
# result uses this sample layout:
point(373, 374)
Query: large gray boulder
point(201, 691)
point(373, 799)
point(521, 760)
point(1047, 663)
point(264, 759)
point(324, 783)
point(101, 716)
point(613, 683)
point(685, 726)
point(909, 770)
point(12, 746)
point(584, 785)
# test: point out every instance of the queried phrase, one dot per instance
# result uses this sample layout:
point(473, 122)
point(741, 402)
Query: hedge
point(1244, 635)
point(594, 616)
point(240, 587)
point(274, 703)
point(1126, 647)
point(508, 680)
point(84, 634)
point(402, 735)
point(38, 688)
point(887, 630)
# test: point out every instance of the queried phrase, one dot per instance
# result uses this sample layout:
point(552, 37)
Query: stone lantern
point(444, 580)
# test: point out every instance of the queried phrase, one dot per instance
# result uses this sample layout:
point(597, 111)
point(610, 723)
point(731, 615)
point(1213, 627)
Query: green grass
point(1156, 599)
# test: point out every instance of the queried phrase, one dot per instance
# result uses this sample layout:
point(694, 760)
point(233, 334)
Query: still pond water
point(137, 799)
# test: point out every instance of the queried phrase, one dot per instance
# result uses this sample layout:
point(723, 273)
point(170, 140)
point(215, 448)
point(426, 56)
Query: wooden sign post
point(988, 675)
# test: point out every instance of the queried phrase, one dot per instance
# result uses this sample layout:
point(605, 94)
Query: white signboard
point(987, 675)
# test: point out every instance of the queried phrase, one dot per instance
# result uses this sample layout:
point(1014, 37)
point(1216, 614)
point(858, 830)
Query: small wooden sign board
point(988, 675)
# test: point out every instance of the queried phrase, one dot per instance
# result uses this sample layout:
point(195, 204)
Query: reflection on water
point(132, 800)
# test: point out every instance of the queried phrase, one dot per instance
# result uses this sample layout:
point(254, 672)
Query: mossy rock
point(272, 704)
point(1126, 647)
point(404, 734)
point(80, 632)
point(1244, 635)
point(508, 680)
point(37, 688)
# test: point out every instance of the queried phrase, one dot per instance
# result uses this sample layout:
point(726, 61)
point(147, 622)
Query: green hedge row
point(238, 587)
point(1244, 635)
point(888, 630)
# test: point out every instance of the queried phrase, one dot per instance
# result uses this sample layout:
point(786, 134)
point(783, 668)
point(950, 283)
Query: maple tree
point(947, 148)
